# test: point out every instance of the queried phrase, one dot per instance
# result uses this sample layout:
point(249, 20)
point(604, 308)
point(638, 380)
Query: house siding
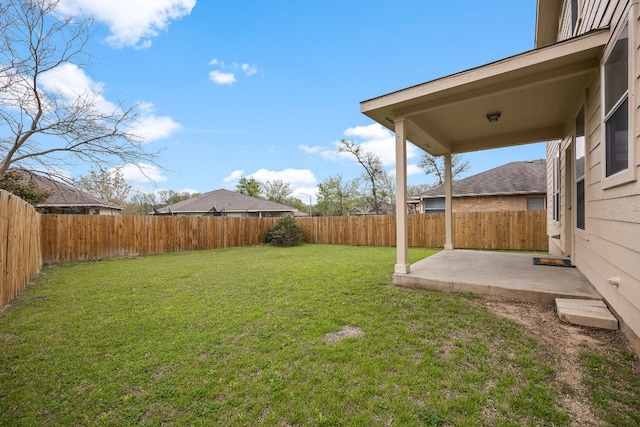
point(609, 247)
point(592, 15)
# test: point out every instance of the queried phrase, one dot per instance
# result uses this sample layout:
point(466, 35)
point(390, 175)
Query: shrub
point(286, 232)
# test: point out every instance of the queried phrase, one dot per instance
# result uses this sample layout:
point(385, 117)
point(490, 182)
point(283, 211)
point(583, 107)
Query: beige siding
point(592, 15)
point(610, 246)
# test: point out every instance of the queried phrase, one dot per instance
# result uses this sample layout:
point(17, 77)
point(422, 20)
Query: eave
point(534, 92)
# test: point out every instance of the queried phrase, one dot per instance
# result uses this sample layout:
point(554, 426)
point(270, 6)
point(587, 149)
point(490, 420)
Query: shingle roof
point(230, 201)
point(526, 177)
point(62, 195)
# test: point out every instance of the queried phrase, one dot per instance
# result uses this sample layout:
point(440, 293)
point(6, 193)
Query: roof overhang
point(535, 93)
point(77, 205)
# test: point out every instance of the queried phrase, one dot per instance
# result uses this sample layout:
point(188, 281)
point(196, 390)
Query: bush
point(286, 232)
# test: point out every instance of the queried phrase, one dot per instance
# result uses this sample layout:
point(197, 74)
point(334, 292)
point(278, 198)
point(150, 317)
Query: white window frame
point(574, 10)
point(580, 178)
point(432, 210)
point(555, 187)
point(629, 174)
point(536, 199)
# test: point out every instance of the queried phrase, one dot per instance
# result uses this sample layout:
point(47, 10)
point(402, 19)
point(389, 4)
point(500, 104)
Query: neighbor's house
point(579, 89)
point(65, 199)
point(516, 186)
point(227, 203)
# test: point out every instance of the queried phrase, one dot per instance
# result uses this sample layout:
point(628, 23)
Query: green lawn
point(238, 337)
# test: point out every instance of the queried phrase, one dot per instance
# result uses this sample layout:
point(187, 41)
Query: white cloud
point(414, 169)
point(374, 138)
point(234, 176)
point(295, 177)
point(226, 74)
point(311, 150)
point(71, 81)
point(222, 78)
point(151, 127)
point(188, 190)
point(131, 22)
point(249, 70)
point(374, 131)
point(142, 173)
point(300, 180)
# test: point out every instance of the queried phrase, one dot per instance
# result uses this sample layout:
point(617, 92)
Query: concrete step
point(586, 312)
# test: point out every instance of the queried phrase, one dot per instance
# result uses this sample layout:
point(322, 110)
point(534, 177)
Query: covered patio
point(523, 99)
point(510, 275)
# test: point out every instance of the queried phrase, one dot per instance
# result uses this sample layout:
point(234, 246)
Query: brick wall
point(490, 203)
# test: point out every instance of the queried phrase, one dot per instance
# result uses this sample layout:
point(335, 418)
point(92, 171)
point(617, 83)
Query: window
point(580, 165)
point(574, 16)
point(432, 206)
point(616, 108)
point(555, 191)
point(536, 203)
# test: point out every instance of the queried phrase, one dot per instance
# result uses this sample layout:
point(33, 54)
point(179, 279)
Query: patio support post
point(448, 197)
point(402, 242)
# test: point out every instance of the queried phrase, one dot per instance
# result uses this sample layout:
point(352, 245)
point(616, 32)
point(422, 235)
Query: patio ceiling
point(535, 93)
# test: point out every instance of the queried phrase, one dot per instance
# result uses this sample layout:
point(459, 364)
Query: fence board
point(81, 237)
point(32, 239)
point(20, 256)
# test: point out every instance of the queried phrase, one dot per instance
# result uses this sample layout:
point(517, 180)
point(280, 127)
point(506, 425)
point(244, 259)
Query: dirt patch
point(346, 332)
point(565, 342)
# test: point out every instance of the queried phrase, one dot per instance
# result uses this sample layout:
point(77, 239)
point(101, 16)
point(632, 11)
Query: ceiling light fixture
point(493, 117)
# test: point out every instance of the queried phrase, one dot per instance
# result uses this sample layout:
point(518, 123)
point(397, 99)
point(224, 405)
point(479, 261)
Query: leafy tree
point(294, 202)
point(337, 197)
point(108, 185)
point(431, 164)
point(277, 190)
point(28, 191)
point(45, 126)
point(285, 232)
point(378, 183)
point(249, 187)
point(170, 197)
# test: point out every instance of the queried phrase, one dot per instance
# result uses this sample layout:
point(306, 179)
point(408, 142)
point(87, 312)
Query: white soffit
point(535, 93)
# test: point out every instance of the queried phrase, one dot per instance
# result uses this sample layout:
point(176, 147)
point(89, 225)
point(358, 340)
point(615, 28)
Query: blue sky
point(266, 88)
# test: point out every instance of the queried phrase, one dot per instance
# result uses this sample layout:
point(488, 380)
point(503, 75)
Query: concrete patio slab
point(504, 274)
point(592, 313)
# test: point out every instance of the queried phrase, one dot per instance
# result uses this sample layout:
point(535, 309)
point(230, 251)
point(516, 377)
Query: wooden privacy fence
point(20, 257)
point(28, 239)
point(504, 230)
point(85, 237)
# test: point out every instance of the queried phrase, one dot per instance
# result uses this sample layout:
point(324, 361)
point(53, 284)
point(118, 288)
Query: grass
point(235, 337)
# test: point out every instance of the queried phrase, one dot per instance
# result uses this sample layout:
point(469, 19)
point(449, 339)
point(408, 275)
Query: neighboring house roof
point(63, 195)
point(229, 201)
point(526, 177)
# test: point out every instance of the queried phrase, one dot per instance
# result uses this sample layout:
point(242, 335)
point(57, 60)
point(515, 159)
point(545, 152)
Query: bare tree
point(431, 164)
point(44, 127)
point(378, 181)
point(277, 190)
point(108, 185)
point(415, 190)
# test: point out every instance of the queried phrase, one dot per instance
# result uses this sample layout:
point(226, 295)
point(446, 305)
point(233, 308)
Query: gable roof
point(62, 195)
point(526, 177)
point(229, 201)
